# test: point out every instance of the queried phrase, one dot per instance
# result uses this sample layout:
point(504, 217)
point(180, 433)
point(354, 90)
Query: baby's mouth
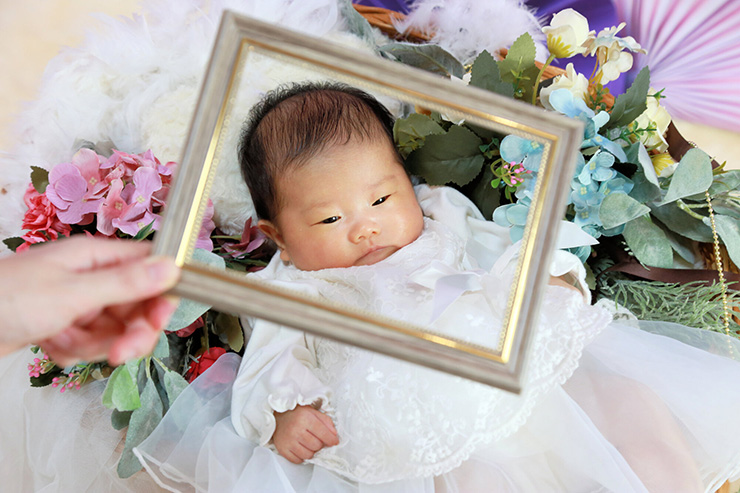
point(375, 255)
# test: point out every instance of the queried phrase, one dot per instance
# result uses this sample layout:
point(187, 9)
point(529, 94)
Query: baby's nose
point(364, 229)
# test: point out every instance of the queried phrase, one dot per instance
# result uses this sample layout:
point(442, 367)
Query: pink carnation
point(41, 214)
point(37, 236)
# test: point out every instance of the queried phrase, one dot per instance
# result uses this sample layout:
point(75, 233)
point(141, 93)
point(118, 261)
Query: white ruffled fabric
point(606, 407)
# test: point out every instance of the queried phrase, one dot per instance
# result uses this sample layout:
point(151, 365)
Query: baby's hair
point(294, 123)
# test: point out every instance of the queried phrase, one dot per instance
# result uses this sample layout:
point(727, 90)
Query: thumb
point(127, 282)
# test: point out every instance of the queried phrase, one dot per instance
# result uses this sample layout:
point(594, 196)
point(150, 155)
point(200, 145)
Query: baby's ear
point(271, 231)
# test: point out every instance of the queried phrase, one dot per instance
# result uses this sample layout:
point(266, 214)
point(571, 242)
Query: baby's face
point(350, 205)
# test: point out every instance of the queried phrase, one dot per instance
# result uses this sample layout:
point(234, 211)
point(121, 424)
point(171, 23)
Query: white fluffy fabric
point(135, 83)
point(465, 27)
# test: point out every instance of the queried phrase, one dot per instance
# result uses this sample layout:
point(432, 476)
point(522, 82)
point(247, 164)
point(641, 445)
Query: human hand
point(302, 432)
point(86, 299)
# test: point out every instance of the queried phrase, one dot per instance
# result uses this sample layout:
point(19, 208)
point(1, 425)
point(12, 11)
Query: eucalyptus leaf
point(120, 419)
point(727, 207)
point(632, 103)
point(431, 58)
point(693, 175)
point(619, 208)
point(648, 242)
point(121, 391)
point(356, 23)
point(142, 423)
point(682, 223)
point(453, 157)
point(643, 191)
point(723, 183)
point(229, 330)
point(636, 153)
point(409, 133)
point(162, 350)
point(174, 384)
point(485, 74)
point(188, 310)
point(728, 229)
point(683, 247)
point(39, 178)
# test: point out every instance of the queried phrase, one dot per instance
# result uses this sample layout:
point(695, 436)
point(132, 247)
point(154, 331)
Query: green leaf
point(142, 423)
point(728, 230)
point(355, 22)
point(619, 208)
point(13, 243)
point(229, 330)
point(453, 157)
point(485, 74)
point(39, 178)
point(144, 232)
point(409, 133)
point(632, 103)
point(428, 57)
point(162, 350)
point(484, 196)
point(682, 223)
point(723, 183)
point(187, 310)
point(726, 207)
point(648, 242)
point(174, 384)
point(120, 419)
point(121, 391)
point(518, 68)
point(693, 175)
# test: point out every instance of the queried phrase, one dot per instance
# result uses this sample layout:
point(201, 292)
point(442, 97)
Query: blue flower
point(514, 217)
point(563, 101)
point(585, 195)
point(518, 150)
point(598, 168)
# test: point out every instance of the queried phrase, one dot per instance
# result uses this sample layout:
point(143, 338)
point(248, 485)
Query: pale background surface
point(33, 31)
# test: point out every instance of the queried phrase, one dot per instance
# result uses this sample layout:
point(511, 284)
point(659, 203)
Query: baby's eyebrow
point(383, 180)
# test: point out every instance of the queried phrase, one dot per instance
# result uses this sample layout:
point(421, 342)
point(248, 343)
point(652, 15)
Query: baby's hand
point(302, 432)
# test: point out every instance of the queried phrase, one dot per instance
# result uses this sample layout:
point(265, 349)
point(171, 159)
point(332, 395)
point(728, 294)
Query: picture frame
point(238, 40)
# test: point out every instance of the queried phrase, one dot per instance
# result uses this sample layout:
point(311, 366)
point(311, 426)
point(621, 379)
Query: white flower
point(609, 50)
point(613, 62)
point(657, 118)
point(567, 32)
point(575, 82)
point(607, 38)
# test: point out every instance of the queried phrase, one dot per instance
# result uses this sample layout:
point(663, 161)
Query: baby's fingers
point(325, 430)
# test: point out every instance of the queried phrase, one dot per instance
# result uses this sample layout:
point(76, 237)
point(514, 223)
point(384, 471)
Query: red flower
point(204, 362)
point(41, 214)
point(188, 331)
point(36, 236)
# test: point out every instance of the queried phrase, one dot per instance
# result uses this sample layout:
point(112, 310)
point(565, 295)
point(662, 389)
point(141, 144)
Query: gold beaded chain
point(718, 262)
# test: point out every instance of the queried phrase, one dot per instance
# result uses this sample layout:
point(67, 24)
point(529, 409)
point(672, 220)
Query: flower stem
point(539, 76)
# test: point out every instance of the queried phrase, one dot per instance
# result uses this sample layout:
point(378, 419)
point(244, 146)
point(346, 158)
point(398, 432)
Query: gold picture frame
point(240, 38)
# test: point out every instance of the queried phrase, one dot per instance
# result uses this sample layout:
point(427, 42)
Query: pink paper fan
point(693, 51)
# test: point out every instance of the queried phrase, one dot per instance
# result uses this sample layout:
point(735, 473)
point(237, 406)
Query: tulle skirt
point(643, 412)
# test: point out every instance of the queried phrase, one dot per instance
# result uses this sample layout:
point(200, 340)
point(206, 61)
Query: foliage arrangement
point(627, 190)
point(123, 196)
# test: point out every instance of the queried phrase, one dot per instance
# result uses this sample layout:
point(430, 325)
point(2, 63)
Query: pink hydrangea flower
point(206, 229)
point(77, 189)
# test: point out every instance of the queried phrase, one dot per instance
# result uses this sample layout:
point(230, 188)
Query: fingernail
point(162, 270)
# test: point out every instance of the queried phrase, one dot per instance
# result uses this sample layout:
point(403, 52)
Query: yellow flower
point(567, 32)
point(664, 164)
point(657, 119)
point(575, 82)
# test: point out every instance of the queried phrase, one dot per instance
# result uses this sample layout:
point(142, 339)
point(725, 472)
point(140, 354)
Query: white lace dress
point(605, 407)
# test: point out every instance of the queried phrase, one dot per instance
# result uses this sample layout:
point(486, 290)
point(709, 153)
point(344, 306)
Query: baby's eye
point(330, 220)
point(381, 200)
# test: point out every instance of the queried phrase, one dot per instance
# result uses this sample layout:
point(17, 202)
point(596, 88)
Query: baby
point(329, 196)
point(604, 407)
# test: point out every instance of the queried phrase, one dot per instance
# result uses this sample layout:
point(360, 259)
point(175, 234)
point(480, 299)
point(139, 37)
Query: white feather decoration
point(466, 27)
